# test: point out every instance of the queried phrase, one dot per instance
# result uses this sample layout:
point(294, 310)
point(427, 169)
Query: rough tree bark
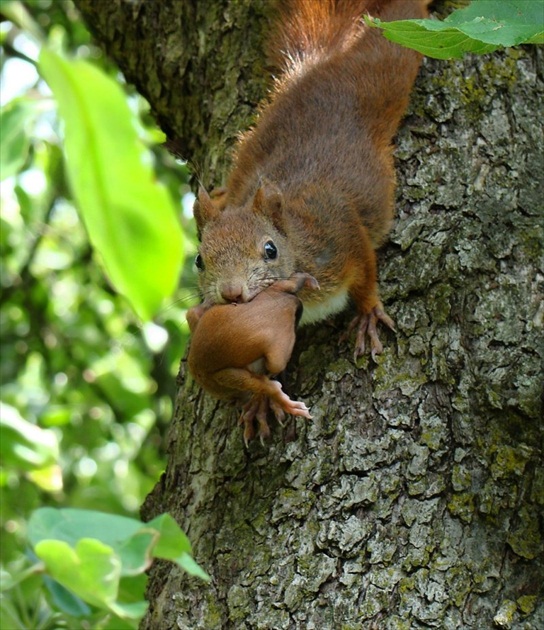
point(414, 497)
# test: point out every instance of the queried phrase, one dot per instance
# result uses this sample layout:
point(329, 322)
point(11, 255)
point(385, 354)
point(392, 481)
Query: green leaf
point(65, 600)
point(130, 218)
point(504, 23)
point(91, 570)
point(172, 542)
point(15, 119)
point(82, 548)
point(135, 552)
point(17, 13)
point(447, 43)
point(174, 545)
point(134, 610)
point(134, 543)
point(101, 558)
point(132, 589)
point(71, 525)
point(482, 27)
point(48, 478)
point(24, 445)
point(189, 564)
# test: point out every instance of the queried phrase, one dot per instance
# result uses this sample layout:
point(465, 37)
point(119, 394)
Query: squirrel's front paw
point(366, 326)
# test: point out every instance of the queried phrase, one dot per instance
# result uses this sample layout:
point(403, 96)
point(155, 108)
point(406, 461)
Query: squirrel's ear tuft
point(268, 201)
point(204, 210)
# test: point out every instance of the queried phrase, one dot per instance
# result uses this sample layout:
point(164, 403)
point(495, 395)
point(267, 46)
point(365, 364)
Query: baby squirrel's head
point(243, 249)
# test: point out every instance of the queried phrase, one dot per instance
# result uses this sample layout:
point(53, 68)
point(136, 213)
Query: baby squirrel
point(312, 185)
point(234, 347)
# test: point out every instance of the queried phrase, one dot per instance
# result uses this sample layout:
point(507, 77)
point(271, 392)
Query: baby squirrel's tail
point(308, 30)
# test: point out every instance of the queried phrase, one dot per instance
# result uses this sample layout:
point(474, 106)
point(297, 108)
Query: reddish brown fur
point(321, 155)
point(232, 342)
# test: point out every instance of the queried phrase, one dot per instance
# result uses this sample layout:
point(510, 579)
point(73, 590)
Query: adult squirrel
point(234, 347)
point(312, 185)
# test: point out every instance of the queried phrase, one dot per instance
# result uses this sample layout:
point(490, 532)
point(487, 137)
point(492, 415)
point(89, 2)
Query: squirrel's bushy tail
point(311, 29)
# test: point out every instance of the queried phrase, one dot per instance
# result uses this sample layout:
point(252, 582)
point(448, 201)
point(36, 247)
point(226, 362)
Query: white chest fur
point(321, 310)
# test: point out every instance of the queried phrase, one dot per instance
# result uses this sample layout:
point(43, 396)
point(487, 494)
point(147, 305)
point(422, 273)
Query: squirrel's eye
point(270, 251)
point(199, 263)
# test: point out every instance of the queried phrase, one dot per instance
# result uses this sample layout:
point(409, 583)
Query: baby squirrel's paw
point(256, 409)
point(366, 326)
point(293, 407)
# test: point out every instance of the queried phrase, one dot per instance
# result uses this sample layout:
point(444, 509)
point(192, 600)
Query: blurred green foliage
point(100, 559)
point(87, 388)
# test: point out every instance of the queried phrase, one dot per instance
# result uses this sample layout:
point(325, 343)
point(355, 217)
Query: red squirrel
point(312, 184)
point(234, 347)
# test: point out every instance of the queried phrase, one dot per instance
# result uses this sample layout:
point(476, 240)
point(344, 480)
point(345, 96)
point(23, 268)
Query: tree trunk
point(414, 497)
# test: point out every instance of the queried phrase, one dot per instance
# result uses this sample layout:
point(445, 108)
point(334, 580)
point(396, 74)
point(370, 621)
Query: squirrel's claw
point(366, 326)
point(255, 409)
point(278, 412)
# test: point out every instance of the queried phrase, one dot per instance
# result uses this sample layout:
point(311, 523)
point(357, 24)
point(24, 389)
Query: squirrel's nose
point(233, 293)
